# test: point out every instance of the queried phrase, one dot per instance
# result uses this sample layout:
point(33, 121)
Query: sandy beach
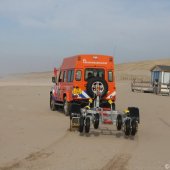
point(32, 137)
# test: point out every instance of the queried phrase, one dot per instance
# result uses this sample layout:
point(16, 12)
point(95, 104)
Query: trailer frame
point(83, 118)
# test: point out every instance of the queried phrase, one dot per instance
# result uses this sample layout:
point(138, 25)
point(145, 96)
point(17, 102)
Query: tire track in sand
point(118, 162)
point(42, 154)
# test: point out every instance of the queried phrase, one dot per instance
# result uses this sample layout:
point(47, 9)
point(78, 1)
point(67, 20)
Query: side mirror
point(53, 79)
point(55, 72)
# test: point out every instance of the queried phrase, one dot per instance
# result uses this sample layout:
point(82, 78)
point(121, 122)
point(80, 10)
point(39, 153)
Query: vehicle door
point(70, 84)
point(63, 84)
point(61, 87)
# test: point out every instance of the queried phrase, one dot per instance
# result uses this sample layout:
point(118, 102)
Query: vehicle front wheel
point(52, 103)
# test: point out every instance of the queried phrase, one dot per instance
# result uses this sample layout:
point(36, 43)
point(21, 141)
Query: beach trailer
point(92, 114)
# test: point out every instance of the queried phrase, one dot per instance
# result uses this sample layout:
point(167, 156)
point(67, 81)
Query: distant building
point(159, 84)
point(160, 74)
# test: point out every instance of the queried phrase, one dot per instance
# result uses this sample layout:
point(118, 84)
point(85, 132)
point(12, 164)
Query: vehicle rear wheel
point(127, 127)
point(52, 103)
point(81, 124)
point(96, 121)
point(87, 126)
point(66, 107)
point(107, 105)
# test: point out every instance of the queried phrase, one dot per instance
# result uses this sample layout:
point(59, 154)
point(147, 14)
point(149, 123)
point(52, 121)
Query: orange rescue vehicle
point(79, 79)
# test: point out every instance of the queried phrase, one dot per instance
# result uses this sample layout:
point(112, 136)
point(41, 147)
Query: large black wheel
point(134, 127)
point(52, 103)
point(96, 121)
point(66, 107)
point(127, 127)
point(74, 110)
point(81, 124)
point(87, 126)
point(95, 85)
point(119, 122)
point(134, 113)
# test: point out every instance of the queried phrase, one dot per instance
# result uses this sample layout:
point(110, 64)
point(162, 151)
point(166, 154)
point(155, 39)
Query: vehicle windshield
point(93, 72)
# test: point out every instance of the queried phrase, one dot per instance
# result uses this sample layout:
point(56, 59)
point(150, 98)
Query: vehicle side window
point(61, 77)
point(70, 76)
point(78, 75)
point(110, 76)
point(65, 76)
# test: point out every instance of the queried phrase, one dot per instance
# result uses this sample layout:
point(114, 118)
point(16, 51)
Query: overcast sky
point(36, 34)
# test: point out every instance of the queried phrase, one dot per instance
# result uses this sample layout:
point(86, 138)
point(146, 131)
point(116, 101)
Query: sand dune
point(142, 65)
point(139, 70)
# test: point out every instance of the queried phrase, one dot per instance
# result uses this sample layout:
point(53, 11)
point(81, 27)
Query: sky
point(35, 35)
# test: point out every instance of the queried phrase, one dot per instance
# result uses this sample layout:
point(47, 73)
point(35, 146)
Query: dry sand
point(34, 138)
